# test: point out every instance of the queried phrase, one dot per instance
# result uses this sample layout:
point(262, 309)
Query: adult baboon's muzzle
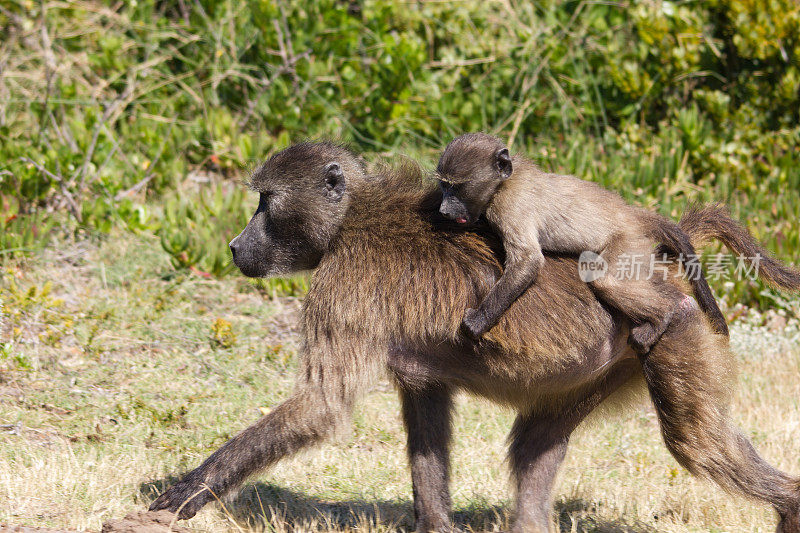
point(248, 249)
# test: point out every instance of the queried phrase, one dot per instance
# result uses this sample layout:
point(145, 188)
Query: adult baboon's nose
point(234, 246)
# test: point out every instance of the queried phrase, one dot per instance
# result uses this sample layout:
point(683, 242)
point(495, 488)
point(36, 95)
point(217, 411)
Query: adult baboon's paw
point(474, 324)
point(184, 497)
point(790, 521)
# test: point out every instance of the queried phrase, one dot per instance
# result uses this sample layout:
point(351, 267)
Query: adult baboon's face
point(303, 196)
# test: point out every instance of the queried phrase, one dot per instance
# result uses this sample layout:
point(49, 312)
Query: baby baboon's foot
point(644, 336)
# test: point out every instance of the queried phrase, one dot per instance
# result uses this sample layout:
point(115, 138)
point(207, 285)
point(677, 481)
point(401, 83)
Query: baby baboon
point(389, 285)
point(534, 211)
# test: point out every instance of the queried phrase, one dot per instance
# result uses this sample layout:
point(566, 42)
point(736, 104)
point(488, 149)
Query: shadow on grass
point(577, 514)
point(260, 505)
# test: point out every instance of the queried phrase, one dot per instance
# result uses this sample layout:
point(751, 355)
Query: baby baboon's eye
point(448, 185)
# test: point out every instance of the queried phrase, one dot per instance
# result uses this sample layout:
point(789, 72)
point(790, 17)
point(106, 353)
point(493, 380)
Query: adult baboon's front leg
point(426, 414)
point(305, 418)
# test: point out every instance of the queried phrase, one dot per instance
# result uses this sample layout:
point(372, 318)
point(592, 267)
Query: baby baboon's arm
point(521, 269)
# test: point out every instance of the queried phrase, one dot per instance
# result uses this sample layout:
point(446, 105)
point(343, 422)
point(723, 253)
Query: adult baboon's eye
point(274, 200)
point(265, 201)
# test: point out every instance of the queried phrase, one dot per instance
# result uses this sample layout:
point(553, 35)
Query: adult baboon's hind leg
point(426, 415)
point(539, 444)
point(688, 376)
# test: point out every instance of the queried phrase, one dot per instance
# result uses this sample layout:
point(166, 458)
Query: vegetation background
point(127, 127)
point(138, 114)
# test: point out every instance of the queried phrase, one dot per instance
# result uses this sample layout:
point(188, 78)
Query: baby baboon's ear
point(503, 163)
point(334, 181)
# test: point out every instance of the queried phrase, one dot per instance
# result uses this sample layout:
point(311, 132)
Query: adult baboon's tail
point(674, 239)
point(713, 221)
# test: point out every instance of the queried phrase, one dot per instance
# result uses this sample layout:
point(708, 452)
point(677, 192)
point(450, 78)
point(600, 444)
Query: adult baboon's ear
point(503, 163)
point(334, 181)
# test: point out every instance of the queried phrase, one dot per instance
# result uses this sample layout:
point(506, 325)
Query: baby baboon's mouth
point(461, 220)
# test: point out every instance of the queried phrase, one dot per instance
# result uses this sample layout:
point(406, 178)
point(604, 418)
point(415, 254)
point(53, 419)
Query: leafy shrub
point(196, 230)
point(222, 335)
point(105, 109)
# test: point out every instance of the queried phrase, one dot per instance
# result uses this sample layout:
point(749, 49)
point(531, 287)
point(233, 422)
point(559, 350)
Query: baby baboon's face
point(470, 170)
point(465, 202)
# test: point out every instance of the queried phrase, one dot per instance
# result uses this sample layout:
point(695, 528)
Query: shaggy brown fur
point(388, 292)
point(534, 211)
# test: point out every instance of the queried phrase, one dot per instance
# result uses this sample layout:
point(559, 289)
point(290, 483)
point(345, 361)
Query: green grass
point(111, 383)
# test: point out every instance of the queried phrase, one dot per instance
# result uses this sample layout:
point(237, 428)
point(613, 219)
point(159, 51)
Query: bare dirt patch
point(144, 522)
point(138, 522)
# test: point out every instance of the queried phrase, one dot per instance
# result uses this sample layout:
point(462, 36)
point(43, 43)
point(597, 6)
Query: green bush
point(107, 109)
point(196, 231)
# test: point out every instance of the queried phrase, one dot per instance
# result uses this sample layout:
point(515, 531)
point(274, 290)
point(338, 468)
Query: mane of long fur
point(413, 274)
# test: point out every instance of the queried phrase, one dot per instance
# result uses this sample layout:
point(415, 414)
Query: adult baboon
point(390, 284)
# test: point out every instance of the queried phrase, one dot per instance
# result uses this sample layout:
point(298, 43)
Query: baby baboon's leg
point(633, 288)
point(688, 376)
point(539, 443)
point(426, 415)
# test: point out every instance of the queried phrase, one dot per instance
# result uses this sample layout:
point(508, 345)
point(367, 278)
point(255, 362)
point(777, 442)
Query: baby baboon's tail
point(713, 221)
point(675, 240)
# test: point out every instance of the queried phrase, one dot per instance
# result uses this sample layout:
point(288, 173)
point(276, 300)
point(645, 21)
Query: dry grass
point(104, 397)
